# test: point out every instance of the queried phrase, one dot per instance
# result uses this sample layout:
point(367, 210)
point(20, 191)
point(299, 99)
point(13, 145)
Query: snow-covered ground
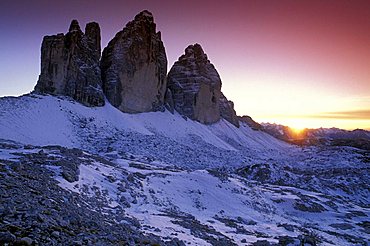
point(48, 120)
point(203, 184)
point(206, 207)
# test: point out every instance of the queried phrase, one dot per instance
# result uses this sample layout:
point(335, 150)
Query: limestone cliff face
point(134, 67)
point(132, 72)
point(195, 86)
point(70, 65)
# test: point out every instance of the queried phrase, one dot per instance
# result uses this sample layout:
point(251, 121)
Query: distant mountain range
point(322, 136)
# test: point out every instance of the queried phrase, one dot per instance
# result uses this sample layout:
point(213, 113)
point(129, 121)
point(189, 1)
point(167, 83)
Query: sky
point(297, 63)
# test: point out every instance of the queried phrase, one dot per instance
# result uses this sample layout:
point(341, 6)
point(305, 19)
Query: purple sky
point(302, 63)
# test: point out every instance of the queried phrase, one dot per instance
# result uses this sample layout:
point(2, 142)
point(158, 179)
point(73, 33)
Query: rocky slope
point(53, 195)
point(70, 65)
point(36, 210)
point(134, 67)
point(160, 135)
point(102, 177)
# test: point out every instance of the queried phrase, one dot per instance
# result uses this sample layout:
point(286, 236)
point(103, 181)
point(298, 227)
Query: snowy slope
point(204, 207)
point(175, 179)
point(47, 120)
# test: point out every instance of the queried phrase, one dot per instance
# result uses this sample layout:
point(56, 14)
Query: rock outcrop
point(70, 65)
point(195, 86)
point(250, 122)
point(132, 72)
point(227, 111)
point(134, 67)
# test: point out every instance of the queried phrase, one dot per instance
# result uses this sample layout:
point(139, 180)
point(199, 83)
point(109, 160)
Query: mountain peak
point(134, 67)
point(144, 15)
point(70, 65)
point(74, 26)
point(194, 51)
point(195, 86)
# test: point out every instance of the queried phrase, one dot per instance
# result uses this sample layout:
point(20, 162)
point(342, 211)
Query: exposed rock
point(35, 210)
point(70, 65)
point(7, 237)
point(342, 226)
point(227, 111)
point(168, 100)
point(55, 234)
point(134, 67)
point(196, 86)
point(250, 122)
point(25, 241)
point(261, 243)
point(92, 31)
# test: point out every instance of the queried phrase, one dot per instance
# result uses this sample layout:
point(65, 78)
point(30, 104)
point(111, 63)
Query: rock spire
point(195, 86)
point(134, 67)
point(132, 72)
point(70, 65)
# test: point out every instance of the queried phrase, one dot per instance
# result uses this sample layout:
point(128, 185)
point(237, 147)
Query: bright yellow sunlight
point(302, 122)
point(296, 130)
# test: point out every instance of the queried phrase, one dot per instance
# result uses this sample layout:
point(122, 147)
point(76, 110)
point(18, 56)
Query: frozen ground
point(47, 120)
point(181, 180)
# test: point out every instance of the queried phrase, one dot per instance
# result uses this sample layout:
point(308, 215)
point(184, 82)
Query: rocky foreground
point(35, 210)
point(54, 195)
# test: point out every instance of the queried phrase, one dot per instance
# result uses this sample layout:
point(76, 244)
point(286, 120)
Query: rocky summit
point(134, 67)
point(132, 73)
point(195, 86)
point(70, 65)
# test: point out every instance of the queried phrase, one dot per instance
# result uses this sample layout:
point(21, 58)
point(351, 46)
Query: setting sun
point(297, 130)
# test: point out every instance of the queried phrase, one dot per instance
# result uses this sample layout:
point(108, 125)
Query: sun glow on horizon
point(298, 125)
point(297, 131)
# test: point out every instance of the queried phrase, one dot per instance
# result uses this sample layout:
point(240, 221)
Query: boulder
point(134, 67)
point(70, 65)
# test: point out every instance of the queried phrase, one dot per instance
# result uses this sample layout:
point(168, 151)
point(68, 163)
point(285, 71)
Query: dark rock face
point(250, 122)
point(168, 100)
point(227, 111)
point(134, 67)
point(70, 65)
point(196, 88)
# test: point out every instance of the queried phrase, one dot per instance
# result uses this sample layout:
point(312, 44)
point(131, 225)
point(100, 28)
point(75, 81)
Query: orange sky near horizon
point(297, 63)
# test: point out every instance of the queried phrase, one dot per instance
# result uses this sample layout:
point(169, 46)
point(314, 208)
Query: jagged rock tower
point(195, 86)
point(70, 65)
point(134, 67)
point(132, 72)
point(194, 89)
